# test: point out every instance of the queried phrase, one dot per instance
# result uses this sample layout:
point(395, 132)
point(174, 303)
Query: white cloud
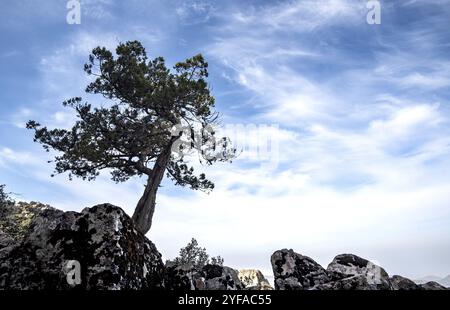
point(20, 117)
point(299, 16)
point(444, 3)
point(97, 9)
point(407, 121)
point(411, 58)
point(195, 11)
point(10, 53)
point(292, 96)
point(21, 158)
point(430, 81)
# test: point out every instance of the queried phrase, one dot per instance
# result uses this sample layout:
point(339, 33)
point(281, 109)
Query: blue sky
point(361, 114)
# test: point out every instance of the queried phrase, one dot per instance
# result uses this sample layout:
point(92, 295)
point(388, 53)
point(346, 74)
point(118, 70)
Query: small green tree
point(193, 254)
point(134, 135)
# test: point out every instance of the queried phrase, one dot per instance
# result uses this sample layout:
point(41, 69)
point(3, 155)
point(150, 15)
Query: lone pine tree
point(134, 135)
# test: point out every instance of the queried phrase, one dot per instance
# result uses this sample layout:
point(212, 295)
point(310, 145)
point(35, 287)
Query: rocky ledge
point(99, 248)
point(110, 252)
point(294, 271)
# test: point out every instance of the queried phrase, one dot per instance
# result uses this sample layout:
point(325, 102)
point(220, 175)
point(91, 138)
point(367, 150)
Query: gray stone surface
point(111, 253)
point(183, 277)
point(221, 278)
point(210, 277)
point(349, 265)
point(293, 271)
point(404, 284)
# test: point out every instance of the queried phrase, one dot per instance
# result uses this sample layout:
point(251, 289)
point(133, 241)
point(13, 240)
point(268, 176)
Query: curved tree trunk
point(145, 208)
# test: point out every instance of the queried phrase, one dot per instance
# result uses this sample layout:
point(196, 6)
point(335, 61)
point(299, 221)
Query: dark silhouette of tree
point(150, 109)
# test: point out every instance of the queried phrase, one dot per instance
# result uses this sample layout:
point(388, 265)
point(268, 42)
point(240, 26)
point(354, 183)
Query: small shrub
point(193, 254)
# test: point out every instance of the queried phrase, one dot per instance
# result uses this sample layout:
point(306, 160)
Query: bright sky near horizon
point(361, 113)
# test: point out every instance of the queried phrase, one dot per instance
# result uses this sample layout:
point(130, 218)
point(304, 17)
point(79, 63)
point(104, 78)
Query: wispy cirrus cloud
point(297, 16)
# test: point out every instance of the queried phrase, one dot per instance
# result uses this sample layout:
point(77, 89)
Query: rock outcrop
point(210, 277)
point(294, 271)
point(183, 277)
point(366, 274)
point(100, 243)
point(253, 279)
point(404, 284)
point(221, 278)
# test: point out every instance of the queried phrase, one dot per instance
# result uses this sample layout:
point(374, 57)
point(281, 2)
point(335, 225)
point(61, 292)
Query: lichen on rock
point(112, 254)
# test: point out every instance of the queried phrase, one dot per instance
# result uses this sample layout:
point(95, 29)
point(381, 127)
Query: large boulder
point(293, 271)
point(221, 278)
point(99, 242)
point(404, 284)
point(183, 277)
point(210, 277)
point(253, 279)
point(432, 286)
point(349, 265)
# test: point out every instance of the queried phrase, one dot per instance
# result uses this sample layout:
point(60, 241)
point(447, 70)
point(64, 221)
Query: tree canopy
point(149, 110)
